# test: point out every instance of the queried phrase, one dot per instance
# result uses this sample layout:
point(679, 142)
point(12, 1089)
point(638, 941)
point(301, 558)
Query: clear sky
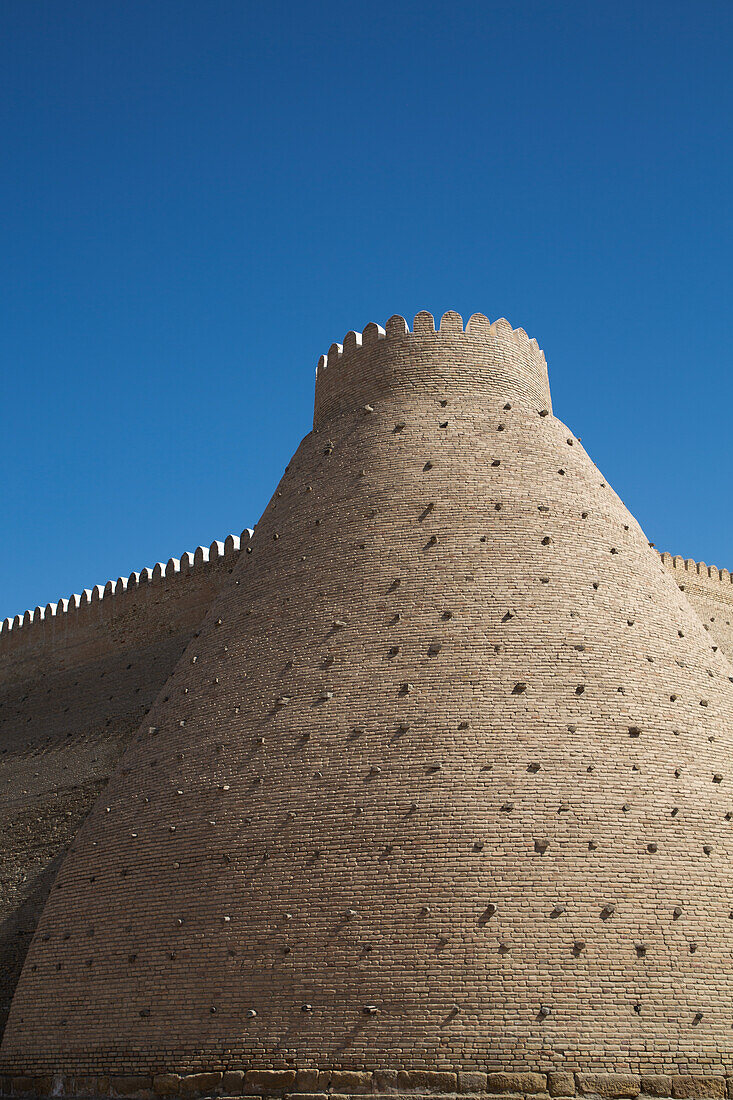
point(198, 198)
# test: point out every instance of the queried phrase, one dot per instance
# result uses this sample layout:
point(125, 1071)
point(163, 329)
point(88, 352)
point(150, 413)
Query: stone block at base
point(525, 1083)
point(307, 1080)
point(705, 1086)
point(656, 1084)
point(560, 1083)
point(232, 1083)
point(472, 1081)
point(269, 1080)
point(166, 1084)
point(426, 1080)
point(138, 1085)
point(611, 1085)
point(195, 1085)
point(350, 1081)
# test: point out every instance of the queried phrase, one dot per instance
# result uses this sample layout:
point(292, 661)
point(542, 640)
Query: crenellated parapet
point(710, 592)
point(103, 600)
point(698, 568)
point(484, 357)
point(33, 624)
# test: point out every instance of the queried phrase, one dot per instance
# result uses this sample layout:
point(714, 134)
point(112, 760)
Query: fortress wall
point(76, 680)
point(710, 591)
point(420, 810)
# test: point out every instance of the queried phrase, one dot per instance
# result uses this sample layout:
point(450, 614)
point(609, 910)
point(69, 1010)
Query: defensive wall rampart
point(710, 591)
point(76, 680)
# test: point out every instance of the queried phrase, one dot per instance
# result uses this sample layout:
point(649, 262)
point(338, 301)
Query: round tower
point(390, 364)
point(441, 790)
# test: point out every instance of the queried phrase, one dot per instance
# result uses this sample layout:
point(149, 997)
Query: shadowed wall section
point(76, 680)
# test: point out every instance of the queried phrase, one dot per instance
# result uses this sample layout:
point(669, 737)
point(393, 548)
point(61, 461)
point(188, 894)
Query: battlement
point(485, 356)
point(699, 568)
point(45, 623)
point(67, 609)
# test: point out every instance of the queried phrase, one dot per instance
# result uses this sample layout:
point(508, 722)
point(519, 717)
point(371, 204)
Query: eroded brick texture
point(443, 783)
point(74, 687)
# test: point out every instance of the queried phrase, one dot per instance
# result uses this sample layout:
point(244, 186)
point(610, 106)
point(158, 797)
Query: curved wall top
point(484, 359)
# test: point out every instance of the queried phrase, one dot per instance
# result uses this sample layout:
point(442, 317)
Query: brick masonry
point(710, 592)
point(441, 783)
point(76, 680)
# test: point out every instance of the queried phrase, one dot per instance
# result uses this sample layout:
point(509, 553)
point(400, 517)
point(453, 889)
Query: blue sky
point(198, 198)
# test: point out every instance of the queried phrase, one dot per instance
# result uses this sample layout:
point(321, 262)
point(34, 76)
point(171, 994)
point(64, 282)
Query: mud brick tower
point(439, 798)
